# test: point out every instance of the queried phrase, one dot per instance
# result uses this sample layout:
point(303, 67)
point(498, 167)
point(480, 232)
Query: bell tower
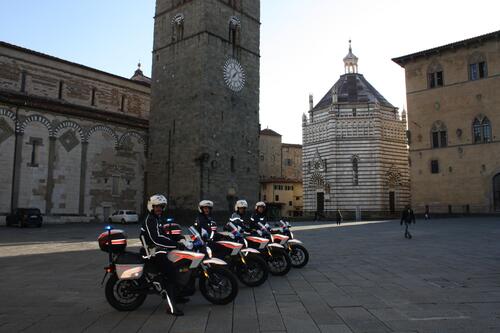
point(204, 122)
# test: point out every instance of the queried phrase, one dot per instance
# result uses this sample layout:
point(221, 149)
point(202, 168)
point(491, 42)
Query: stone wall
point(76, 157)
point(7, 147)
point(291, 161)
point(464, 183)
point(270, 156)
point(56, 79)
point(204, 137)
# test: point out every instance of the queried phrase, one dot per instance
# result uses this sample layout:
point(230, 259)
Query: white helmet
point(240, 204)
point(205, 203)
point(260, 204)
point(157, 200)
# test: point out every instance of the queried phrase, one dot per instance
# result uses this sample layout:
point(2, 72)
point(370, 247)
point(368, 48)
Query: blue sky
point(302, 45)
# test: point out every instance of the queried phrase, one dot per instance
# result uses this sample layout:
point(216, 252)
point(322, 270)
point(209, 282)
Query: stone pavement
point(361, 278)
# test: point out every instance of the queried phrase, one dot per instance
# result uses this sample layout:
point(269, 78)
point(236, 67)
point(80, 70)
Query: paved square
point(364, 278)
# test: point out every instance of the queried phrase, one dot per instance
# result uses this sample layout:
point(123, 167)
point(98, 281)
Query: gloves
point(188, 245)
point(197, 243)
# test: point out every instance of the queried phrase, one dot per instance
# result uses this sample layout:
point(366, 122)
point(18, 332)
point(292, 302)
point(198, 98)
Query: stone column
point(50, 175)
point(83, 176)
point(16, 174)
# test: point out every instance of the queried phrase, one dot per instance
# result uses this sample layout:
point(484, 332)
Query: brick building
point(280, 168)
point(454, 116)
point(72, 138)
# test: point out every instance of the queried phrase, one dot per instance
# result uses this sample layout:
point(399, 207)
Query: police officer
point(258, 216)
point(239, 215)
point(204, 223)
point(162, 244)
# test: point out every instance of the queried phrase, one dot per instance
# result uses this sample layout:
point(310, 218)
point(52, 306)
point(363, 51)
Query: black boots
point(172, 301)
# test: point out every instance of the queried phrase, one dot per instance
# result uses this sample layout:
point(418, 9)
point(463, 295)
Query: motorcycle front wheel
point(279, 262)
point(254, 272)
point(122, 294)
point(299, 256)
point(220, 287)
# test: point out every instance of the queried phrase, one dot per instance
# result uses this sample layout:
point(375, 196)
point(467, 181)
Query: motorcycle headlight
point(209, 252)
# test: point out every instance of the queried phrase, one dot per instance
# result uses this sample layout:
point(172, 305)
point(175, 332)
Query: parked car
point(124, 216)
point(23, 217)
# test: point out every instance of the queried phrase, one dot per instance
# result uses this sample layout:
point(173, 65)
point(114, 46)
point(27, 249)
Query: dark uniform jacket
point(151, 230)
point(255, 219)
point(407, 216)
point(205, 223)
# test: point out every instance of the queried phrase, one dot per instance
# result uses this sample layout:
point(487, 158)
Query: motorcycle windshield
point(232, 226)
point(194, 232)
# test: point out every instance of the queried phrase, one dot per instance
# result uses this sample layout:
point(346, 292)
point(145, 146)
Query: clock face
point(234, 75)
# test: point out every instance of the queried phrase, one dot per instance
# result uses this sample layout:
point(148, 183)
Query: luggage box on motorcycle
point(116, 241)
point(129, 266)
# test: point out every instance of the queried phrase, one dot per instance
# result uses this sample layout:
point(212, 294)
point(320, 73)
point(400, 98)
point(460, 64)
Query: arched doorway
point(496, 192)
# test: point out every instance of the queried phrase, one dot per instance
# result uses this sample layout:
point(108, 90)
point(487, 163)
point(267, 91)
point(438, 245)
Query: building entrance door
point(320, 202)
point(496, 192)
point(392, 202)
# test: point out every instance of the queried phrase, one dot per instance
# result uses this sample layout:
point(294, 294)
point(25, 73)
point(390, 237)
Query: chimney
point(311, 102)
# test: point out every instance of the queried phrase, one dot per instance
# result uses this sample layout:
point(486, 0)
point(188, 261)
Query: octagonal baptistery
point(355, 153)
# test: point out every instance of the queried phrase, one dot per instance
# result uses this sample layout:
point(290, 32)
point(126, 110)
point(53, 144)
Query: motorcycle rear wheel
point(299, 256)
point(254, 272)
point(120, 297)
point(221, 287)
point(279, 263)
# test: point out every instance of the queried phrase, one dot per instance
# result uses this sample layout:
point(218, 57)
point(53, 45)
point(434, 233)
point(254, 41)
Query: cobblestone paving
point(361, 278)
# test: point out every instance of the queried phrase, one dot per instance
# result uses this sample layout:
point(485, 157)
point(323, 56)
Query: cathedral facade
point(355, 154)
point(72, 138)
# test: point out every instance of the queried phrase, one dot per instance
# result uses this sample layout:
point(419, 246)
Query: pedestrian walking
point(407, 217)
point(427, 215)
point(339, 217)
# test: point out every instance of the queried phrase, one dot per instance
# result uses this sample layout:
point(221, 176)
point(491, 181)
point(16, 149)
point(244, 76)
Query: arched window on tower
point(236, 4)
point(177, 27)
point(355, 171)
point(234, 34)
point(481, 128)
point(439, 135)
point(233, 166)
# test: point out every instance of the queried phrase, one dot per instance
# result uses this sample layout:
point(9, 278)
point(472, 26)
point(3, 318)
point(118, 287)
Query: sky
point(303, 42)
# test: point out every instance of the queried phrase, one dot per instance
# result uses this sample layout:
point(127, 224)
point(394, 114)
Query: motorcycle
point(296, 250)
point(133, 276)
point(243, 261)
point(274, 254)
